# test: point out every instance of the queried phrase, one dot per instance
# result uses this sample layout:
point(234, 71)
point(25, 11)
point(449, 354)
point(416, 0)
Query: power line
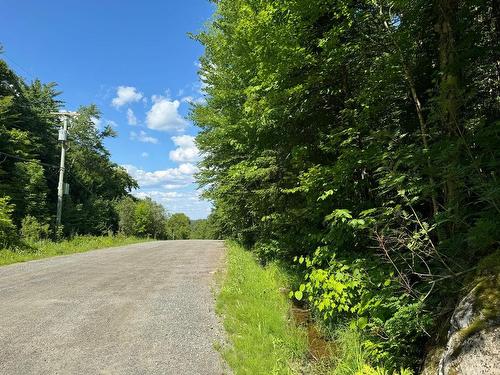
point(73, 174)
point(3, 55)
point(24, 159)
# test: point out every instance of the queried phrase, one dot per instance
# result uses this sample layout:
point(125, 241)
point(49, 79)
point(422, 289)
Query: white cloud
point(193, 100)
point(144, 154)
point(131, 119)
point(164, 115)
point(160, 195)
point(100, 123)
point(142, 136)
point(126, 94)
point(186, 150)
point(174, 186)
point(174, 201)
point(97, 122)
point(181, 175)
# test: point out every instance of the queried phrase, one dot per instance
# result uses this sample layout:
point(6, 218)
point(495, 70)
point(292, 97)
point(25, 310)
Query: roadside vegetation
point(78, 244)
point(358, 143)
point(262, 337)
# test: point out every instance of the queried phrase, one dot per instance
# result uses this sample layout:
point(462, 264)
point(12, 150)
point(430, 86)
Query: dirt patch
point(319, 347)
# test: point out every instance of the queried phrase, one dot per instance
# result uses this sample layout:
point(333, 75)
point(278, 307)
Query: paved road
point(138, 309)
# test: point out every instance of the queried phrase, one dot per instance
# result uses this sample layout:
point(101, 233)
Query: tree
point(149, 219)
point(29, 159)
point(126, 215)
point(345, 133)
point(7, 228)
point(31, 198)
point(178, 227)
point(201, 230)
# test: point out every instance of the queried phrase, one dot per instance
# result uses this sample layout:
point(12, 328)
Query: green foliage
point(368, 130)
point(351, 357)
point(255, 313)
point(149, 219)
point(7, 228)
point(126, 214)
point(31, 198)
point(32, 230)
point(267, 250)
point(204, 229)
point(370, 297)
point(77, 244)
point(178, 227)
point(30, 159)
point(368, 370)
point(146, 218)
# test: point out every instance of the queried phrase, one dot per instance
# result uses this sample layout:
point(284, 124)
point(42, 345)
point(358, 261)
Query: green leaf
point(362, 322)
point(298, 295)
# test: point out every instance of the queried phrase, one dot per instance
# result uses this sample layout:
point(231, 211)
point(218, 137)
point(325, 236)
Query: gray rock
point(474, 335)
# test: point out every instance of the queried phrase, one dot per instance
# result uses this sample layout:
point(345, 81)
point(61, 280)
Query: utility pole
point(63, 137)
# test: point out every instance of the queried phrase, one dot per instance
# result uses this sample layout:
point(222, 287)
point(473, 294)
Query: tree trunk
point(449, 98)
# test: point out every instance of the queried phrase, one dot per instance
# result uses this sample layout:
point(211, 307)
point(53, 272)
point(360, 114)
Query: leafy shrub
point(7, 228)
point(33, 230)
point(366, 294)
point(267, 251)
point(403, 332)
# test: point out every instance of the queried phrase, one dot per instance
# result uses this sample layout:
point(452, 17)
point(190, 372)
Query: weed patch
point(262, 336)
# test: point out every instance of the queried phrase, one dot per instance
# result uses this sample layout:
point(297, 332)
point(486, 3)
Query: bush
point(366, 294)
point(126, 214)
point(178, 227)
point(7, 227)
point(268, 251)
point(149, 219)
point(33, 230)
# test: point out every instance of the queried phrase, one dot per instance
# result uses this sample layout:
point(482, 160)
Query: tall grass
point(262, 337)
point(351, 357)
point(77, 244)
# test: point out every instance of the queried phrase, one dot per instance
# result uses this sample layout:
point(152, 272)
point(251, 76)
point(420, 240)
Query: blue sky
point(135, 61)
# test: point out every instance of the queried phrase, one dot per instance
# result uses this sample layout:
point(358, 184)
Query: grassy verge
point(78, 244)
point(262, 337)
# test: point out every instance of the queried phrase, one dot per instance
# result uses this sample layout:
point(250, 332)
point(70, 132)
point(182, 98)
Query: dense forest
point(358, 142)
point(99, 200)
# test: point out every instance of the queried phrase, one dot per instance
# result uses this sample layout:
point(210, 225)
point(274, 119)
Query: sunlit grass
point(262, 337)
point(351, 356)
point(78, 244)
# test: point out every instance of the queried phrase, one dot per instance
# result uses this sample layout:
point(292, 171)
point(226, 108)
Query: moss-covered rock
point(473, 338)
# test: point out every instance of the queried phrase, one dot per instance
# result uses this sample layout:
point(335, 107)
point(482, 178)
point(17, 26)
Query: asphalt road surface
point(139, 309)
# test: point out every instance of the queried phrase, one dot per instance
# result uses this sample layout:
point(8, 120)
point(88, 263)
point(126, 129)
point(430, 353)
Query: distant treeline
point(146, 218)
